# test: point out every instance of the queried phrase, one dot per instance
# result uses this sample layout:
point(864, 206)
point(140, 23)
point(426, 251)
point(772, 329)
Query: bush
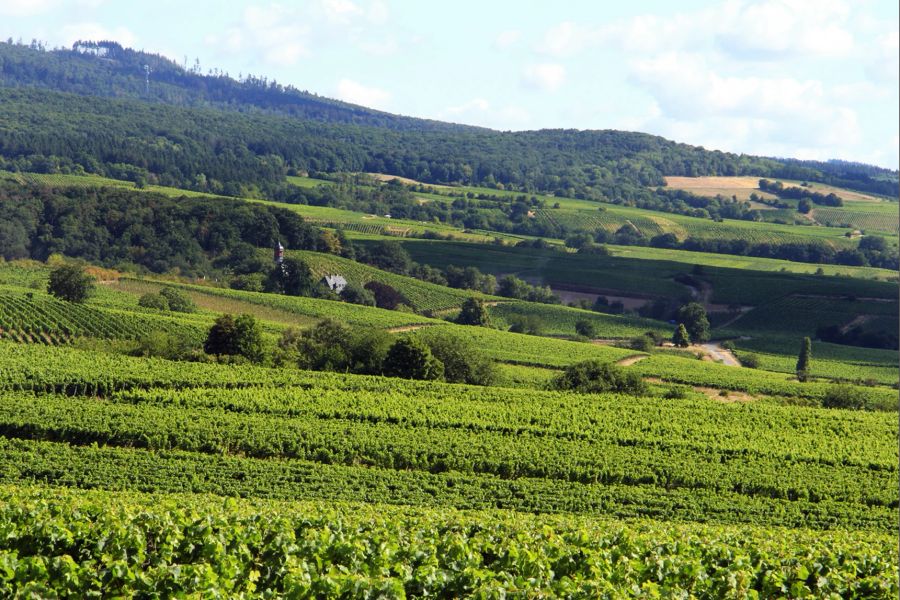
point(250, 282)
point(681, 338)
point(678, 392)
point(463, 362)
point(474, 313)
point(411, 358)
point(586, 329)
point(232, 336)
point(69, 282)
point(165, 345)
point(385, 296)
point(355, 294)
point(844, 396)
point(592, 376)
point(178, 301)
point(642, 343)
point(154, 301)
point(751, 361)
point(528, 324)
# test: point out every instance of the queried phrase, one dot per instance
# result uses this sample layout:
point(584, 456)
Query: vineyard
point(198, 545)
point(880, 217)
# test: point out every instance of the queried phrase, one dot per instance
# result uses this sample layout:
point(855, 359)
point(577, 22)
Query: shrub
point(586, 329)
point(474, 313)
point(592, 376)
point(751, 361)
point(178, 301)
point(355, 294)
point(463, 362)
point(681, 338)
point(165, 345)
point(154, 301)
point(69, 282)
point(642, 343)
point(528, 324)
point(678, 392)
point(386, 296)
point(411, 358)
point(232, 336)
point(844, 396)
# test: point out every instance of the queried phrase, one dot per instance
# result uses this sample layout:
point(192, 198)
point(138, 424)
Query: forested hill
point(87, 109)
point(107, 69)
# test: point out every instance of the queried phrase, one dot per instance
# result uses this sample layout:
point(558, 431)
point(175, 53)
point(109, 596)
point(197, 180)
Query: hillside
point(278, 134)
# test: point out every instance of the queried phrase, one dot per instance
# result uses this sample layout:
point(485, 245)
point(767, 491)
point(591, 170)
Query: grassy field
point(743, 186)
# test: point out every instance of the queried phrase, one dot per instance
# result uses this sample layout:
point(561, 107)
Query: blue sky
point(802, 78)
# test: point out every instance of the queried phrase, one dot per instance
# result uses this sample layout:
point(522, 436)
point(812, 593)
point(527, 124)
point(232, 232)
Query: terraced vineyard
point(29, 316)
point(881, 217)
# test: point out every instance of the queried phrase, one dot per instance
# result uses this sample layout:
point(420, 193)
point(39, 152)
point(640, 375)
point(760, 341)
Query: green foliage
point(530, 324)
point(751, 361)
point(70, 282)
point(411, 358)
point(594, 377)
point(240, 336)
point(844, 396)
point(463, 361)
point(154, 301)
point(177, 300)
point(586, 329)
point(161, 344)
point(681, 338)
point(803, 359)
point(475, 313)
point(356, 294)
point(693, 317)
point(643, 343)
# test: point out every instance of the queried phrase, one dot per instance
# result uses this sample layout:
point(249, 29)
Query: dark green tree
point(593, 377)
point(474, 313)
point(355, 294)
point(177, 300)
point(586, 328)
point(154, 301)
point(693, 316)
point(681, 338)
point(230, 336)
point(411, 358)
point(803, 359)
point(293, 278)
point(70, 282)
point(463, 362)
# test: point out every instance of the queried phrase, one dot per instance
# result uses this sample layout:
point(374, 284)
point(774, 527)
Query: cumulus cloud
point(544, 76)
point(768, 115)
point(744, 29)
point(357, 93)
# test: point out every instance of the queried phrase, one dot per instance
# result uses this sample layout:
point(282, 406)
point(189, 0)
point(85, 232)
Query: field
point(742, 187)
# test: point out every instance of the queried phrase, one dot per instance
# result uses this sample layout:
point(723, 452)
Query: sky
point(812, 79)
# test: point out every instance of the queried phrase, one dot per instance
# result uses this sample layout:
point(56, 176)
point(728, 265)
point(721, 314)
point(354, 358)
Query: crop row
point(185, 546)
point(112, 468)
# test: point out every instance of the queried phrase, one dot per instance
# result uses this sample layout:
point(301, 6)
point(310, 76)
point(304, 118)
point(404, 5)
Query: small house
point(335, 283)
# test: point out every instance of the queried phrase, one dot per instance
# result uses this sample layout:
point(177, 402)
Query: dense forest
point(90, 109)
point(114, 227)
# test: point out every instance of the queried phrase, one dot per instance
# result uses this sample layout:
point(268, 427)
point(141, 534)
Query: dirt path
point(405, 328)
point(630, 360)
point(720, 354)
point(857, 321)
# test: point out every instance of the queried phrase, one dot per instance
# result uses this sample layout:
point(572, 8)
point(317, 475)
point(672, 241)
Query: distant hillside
point(214, 133)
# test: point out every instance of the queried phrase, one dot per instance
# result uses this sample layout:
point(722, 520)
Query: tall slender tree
point(803, 359)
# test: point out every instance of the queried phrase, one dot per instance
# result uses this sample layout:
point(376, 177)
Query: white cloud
point(743, 29)
point(73, 32)
point(767, 115)
point(283, 34)
point(474, 105)
point(544, 76)
point(507, 39)
point(357, 93)
point(884, 66)
point(25, 8)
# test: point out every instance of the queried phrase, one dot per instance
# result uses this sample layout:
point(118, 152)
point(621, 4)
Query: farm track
point(630, 360)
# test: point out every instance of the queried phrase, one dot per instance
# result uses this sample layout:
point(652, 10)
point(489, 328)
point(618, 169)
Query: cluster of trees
point(168, 299)
point(693, 325)
point(800, 193)
point(859, 336)
point(115, 227)
point(872, 251)
point(334, 346)
point(389, 255)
